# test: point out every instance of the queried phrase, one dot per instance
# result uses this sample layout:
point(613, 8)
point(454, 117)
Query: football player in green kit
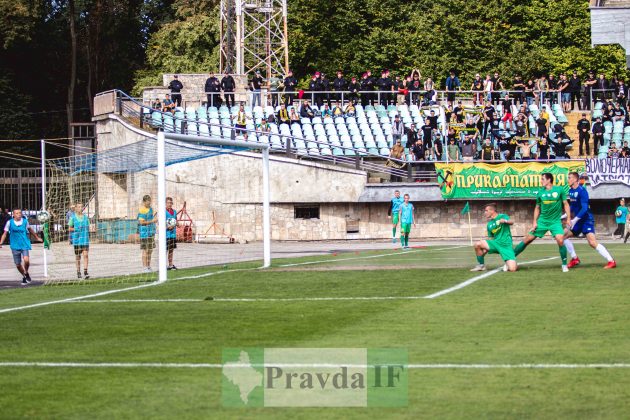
point(501, 242)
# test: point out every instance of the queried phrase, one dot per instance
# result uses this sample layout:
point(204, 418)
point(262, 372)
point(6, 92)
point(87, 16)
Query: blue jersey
point(81, 234)
point(146, 231)
point(579, 202)
point(396, 203)
point(171, 233)
point(406, 213)
point(19, 236)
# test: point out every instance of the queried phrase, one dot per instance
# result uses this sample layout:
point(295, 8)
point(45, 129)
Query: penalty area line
point(127, 365)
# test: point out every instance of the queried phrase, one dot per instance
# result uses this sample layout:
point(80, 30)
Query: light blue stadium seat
point(191, 128)
point(156, 119)
point(169, 125)
point(204, 130)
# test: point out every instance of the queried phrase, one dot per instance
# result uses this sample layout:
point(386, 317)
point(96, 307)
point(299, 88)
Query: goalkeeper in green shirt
point(551, 203)
point(501, 242)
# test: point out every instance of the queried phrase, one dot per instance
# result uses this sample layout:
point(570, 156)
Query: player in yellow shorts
point(551, 203)
point(498, 229)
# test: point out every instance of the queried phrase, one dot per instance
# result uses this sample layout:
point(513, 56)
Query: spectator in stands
point(519, 85)
point(340, 84)
point(228, 85)
point(621, 93)
point(397, 151)
point(507, 113)
point(399, 90)
point(454, 154)
point(563, 89)
point(176, 87)
point(512, 146)
point(276, 85)
point(530, 92)
point(382, 85)
point(306, 111)
point(337, 111)
point(584, 128)
point(168, 105)
point(458, 113)
point(415, 87)
point(487, 150)
point(575, 89)
point(398, 128)
point(429, 94)
point(589, 84)
point(521, 126)
point(452, 84)
point(433, 120)
point(283, 115)
point(541, 126)
point(601, 86)
point(497, 87)
point(542, 88)
point(560, 143)
point(365, 98)
point(295, 118)
point(625, 150)
point(613, 152)
point(609, 113)
point(412, 136)
point(477, 86)
point(255, 85)
point(156, 105)
point(598, 135)
point(326, 112)
point(469, 149)
point(264, 126)
point(241, 118)
point(525, 149)
point(438, 148)
point(350, 110)
point(543, 149)
point(326, 87)
point(290, 86)
point(314, 86)
point(354, 87)
point(417, 150)
point(552, 95)
point(618, 113)
point(213, 91)
point(488, 116)
point(488, 88)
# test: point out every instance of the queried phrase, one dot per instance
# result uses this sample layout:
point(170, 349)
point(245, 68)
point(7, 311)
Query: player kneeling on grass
point(171, 232)
point(582, 222)
point(79, 227)
point(406, 220)
point(551, 202)
point(146, 229)
point(498, 229)
point(18, 228)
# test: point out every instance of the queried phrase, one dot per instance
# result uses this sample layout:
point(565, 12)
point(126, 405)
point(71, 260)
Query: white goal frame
point(161, 193)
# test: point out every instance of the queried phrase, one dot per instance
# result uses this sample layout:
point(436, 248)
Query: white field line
point(479, 277)
point(77, 298)
point(319, 299)
point(125, 365)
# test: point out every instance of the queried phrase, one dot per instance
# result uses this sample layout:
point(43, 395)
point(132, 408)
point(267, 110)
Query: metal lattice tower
point(254, 36)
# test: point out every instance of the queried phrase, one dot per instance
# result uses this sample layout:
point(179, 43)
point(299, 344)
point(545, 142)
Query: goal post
point(113, 209)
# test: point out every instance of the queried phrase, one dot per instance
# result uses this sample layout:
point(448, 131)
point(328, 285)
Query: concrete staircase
point(571, 130)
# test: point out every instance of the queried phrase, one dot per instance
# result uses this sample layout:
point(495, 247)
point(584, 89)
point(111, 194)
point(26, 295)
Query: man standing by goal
point(79, 228)
point(18, 228)
point(171, 232)
point(501, 242)
point(582, 222)
point(394, 210)
point(146, 229)
point(406, 220)
point(551, 202)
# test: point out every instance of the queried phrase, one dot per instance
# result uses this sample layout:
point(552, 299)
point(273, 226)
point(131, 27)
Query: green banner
point(500, 181)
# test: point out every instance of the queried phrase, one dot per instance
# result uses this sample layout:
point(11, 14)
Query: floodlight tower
point(254, 37)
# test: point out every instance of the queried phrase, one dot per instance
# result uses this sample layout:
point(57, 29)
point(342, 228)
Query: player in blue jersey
point(394, 209)
point(581, 221)
point(18, 229)
point(406, 220)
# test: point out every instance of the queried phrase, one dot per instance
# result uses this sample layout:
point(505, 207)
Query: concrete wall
point(611, 25)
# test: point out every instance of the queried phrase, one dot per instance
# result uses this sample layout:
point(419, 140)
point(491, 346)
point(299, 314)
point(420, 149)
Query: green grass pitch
point(536, 316)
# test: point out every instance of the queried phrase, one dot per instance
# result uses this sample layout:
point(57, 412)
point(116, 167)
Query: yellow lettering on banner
point(496, 182)
point(506, 179)
point(479, 181)
point(514, 180)
point(459, 181)
point(470, 180)
point(561, 179)
point(534, 180)
point(486, 181)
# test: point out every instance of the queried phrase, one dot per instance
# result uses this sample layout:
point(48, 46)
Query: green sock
point(406, 239)
point(519, 248)
point(402, 239)
point(394, 232)
point(480, 260)
point(563, 254)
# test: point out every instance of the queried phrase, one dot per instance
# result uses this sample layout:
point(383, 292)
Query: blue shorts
point(583, 226)
point(18, 254)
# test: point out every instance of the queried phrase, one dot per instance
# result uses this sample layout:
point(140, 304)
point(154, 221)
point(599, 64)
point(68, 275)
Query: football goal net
point(156, 209)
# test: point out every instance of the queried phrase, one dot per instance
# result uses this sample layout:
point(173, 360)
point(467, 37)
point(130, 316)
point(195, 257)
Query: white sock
point(570, 248)
point(604, 252)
